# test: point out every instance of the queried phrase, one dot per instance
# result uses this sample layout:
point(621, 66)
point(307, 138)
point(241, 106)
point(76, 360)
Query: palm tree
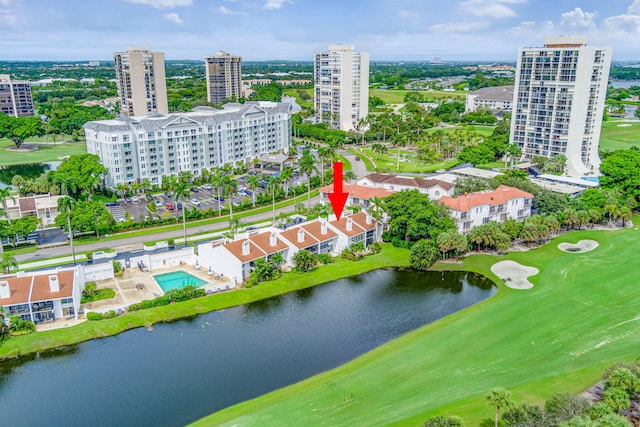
point(66, 205)
point(500, 398)
point(7, 263)
point(216, 179)
point(181, 193)
point(5, 193)
point(307, 165)
point(349, 176)
point(379, 149)
point(229, 187)
point(285, 178)
point(513, 151)
point(376, 207)
point(253, 182)
point(18, 181)
point(323, 153)
point(234, 225)
point(273, 182)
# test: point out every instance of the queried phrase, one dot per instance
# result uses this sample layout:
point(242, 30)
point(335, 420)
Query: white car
point(206, 187)
point(195, 202)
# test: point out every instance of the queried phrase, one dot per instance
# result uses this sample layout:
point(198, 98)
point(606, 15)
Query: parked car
point(250, 228)
point(206, 187)
point(149, 197)
point(170, 206)
point(167, 194)
point(218, 198)
point(127, 199)
point(194, 189)
point(195, 202)
point(111, 204)
point(158, 203)
point(179, 206)
point(357, 159)
point(247, 192)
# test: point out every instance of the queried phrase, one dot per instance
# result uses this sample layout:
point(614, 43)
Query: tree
point(376, 207)
point(513, 151)
point(500, 399)
point(253, 182)
point(5, 193)
point(564, 406)
point(181, 193)
point(304, 261)
point(307, 167)
point(423, 254)
point(621, 170)
point(452, 241)
point(349, 176)
point(273, 183)
point(413, 216)
point(7, 263)
point(617, 399)
point(525, 415)
point(217, 179)
point(85, 170)
point(229, 188)
point(18, 129)
point(452, 421)
point(23, 227)
point(263, 271)
point(18, 181)
point(379, 149)
point(66, 205)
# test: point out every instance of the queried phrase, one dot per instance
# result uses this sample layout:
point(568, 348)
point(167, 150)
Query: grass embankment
point(619, 135)
point(389, 256)
point(44, 153)
point(581, 316)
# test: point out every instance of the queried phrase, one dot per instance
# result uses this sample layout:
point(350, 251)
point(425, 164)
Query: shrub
point(92, 316)
point(171, 242)
point(325, 258)
point(375, 247)
point(304, 261)
point(117, 269)
point(21, 326)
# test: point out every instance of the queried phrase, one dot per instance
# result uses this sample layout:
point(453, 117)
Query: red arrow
point(338, 199)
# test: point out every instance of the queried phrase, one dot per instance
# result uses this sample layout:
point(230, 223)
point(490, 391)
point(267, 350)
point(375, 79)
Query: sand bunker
point(513, 274)
point(581, 246)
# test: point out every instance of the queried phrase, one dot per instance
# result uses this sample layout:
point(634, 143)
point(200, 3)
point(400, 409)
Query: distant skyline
point(471, 30)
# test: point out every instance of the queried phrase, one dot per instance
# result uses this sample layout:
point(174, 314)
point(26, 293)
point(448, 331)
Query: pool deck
point(135, 286)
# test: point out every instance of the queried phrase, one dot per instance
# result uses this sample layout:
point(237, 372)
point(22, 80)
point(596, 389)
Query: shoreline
point(23, 345)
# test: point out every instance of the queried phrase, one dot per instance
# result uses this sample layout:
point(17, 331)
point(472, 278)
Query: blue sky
point(294, 29)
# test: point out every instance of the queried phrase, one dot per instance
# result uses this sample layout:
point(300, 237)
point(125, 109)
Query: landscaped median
point(389, 256)
point(580, 317)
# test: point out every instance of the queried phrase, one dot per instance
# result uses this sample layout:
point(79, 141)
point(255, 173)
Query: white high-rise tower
point(341, 86)
point(558, 101)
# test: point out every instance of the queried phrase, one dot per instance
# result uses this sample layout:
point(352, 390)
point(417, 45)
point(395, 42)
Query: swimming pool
point(177, 280)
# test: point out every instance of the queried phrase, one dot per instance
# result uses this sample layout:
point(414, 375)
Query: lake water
point(182, 371)
point(27, 171)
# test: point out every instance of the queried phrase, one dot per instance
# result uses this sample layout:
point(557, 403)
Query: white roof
point(557, 187)
point(475, 172)
point(568, 180)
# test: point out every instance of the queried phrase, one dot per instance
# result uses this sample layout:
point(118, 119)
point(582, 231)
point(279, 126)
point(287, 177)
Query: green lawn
point(397, 96)
point(44, 153)
point(409, 162)
point(581, 316)
point(304, 104)
point(619, 135)
point(389, 256)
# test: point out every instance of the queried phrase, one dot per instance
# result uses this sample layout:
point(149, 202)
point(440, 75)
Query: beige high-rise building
point(141, 81)
point(15, 97)
point(341, 86)
point(558, 101)
point(224, 77)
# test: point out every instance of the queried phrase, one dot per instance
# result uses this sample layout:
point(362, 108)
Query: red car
point(170, 206)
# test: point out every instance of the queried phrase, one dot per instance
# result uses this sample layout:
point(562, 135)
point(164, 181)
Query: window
point(485, 220)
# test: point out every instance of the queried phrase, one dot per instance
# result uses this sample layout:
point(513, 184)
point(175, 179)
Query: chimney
point(300, 235)
point(323, 227)
point(349, 223)
point(273, 240)
point(246, 248)
point(54, 285)
point(368, 218)
point(5, 292)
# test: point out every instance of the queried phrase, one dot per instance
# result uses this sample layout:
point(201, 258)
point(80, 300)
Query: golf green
point(581, 315)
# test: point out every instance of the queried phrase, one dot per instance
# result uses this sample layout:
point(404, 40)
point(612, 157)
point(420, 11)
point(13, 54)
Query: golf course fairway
point(581, 316)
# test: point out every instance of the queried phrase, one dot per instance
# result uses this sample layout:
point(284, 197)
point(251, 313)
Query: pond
point(26, 170)
point(182, 371)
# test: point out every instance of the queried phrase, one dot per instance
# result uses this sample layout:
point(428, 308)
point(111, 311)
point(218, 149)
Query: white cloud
point(491, 8)
point(7, 18)
point(578, 19)
point(162, 4)
point(634, 8)
point(224, 10)
point(173, 17)
point(276, 4)
point(407, 14)
point(460, 27)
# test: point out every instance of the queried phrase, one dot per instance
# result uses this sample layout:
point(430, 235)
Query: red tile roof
point(292, 235)
point(381, 178)
point(359, 191)
point(34, 288)
point(236, 249)
point(498, 196)
point(263, 240)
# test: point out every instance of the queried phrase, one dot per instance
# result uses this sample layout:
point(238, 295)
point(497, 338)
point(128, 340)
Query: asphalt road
point(65, 250)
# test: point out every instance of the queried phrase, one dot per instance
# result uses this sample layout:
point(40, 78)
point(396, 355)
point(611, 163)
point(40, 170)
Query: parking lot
point(203, 198)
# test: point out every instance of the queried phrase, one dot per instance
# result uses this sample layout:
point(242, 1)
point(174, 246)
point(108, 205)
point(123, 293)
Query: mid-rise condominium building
point(141, 82)
point(157, 145)
point(224, 80)
point(558, 101)
point(15, 97)
point(341, 86)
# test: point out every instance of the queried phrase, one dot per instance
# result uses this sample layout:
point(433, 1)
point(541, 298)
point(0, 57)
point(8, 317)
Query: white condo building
point(141, 81)
point(558, 101)
point(157, 145)
point(341, 86)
